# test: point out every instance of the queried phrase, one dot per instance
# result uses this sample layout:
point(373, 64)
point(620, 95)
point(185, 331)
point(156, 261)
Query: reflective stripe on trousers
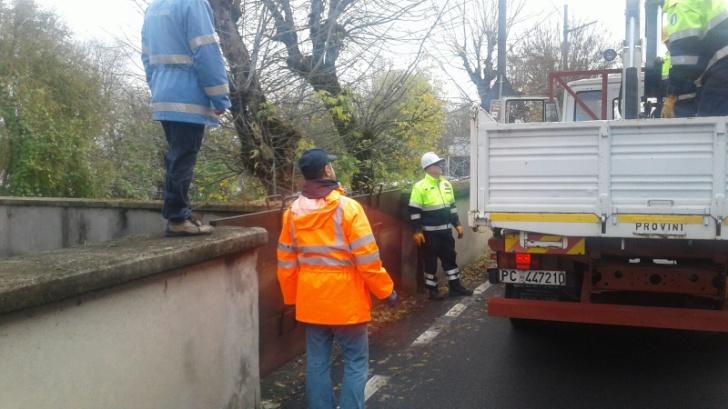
point(437, 228)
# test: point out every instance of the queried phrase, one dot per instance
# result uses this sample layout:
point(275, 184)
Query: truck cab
point(531, 109)
point(522, 110)
point(589, 91)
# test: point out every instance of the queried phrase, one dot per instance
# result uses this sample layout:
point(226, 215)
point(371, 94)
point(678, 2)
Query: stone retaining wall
point(31, 225)
point(133, 323)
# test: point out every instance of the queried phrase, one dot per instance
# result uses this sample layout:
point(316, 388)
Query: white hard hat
point(428, 159)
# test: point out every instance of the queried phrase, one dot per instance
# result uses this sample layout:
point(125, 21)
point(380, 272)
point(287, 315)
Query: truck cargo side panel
point(636, 178)
point(536, 169)
point(663, 168)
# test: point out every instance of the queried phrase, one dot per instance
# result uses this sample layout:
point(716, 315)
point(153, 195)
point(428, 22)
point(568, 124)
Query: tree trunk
point(268, 142)
point(319, 69)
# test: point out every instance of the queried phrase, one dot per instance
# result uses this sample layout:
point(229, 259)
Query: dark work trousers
point(713, 99)
point(439, 244)
point(685, 108)
point(184, 141)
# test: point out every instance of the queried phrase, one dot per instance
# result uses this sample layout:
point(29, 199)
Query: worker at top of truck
point(684, 103)
point(433, 215)
point(696, 34)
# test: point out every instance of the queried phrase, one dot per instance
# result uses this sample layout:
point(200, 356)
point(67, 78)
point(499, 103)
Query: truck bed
point(624, 178)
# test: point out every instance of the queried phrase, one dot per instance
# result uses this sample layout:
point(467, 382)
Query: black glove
point(392, 299)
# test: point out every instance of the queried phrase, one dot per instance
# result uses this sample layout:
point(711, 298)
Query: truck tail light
point(519, 261)
point(523, 261)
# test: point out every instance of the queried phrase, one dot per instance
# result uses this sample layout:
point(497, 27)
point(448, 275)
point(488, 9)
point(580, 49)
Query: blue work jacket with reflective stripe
point(183, 63)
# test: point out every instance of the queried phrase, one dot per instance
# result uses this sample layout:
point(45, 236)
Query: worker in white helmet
point(433, 215)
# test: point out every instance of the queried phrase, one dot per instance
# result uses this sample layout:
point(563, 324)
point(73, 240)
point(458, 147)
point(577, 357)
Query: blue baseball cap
point(313, 161)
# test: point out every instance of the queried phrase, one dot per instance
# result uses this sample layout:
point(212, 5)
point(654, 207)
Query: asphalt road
point(479, 362)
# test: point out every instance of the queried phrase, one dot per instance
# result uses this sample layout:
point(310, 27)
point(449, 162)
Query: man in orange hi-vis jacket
point(328, 264)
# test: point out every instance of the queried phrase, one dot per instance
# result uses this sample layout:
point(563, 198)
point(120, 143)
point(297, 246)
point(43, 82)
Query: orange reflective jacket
point(328, 261)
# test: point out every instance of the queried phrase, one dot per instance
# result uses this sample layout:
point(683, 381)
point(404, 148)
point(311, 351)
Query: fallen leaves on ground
point(471, 275)
point(476, 273)
point(383, 314)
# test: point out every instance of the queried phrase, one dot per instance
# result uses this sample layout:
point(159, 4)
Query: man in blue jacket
point(186, 74)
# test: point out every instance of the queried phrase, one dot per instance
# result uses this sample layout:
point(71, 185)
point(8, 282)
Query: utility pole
point(501, 46)
point(565, 39)
point(652, 30)
point(633, 60)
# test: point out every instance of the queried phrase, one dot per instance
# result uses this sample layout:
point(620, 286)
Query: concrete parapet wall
point(31, 225)
point(473, 245)
point(136, 323)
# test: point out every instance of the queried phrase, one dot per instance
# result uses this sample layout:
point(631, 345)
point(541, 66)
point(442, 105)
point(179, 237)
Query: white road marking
point(373, 385)
point(377, 381)
point(426, 336)
point(482, 288)
point(456, 310)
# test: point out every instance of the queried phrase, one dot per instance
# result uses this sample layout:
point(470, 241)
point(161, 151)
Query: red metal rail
point(560, 76)
point(610, 314)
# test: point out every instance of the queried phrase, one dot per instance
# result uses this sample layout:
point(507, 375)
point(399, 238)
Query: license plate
point(533, 277)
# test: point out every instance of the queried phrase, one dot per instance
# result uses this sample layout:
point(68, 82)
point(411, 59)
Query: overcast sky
point(110, 20)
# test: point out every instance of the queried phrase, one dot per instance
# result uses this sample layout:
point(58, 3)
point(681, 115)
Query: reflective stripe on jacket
point(328, 261)
point(688, 93)
point(696, 33)
point(183, 63)
point(432, 205)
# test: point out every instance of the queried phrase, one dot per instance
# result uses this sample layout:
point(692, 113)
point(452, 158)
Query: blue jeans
point(354, 343)
point(184, 141)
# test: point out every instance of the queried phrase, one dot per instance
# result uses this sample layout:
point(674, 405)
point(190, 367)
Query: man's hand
point(392, 299)
point(418, 238)
point(460, 230)
point(668, 107)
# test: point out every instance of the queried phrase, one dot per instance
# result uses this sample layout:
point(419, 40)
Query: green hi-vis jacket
point(666, 65)
point(432, 205)
point(696, 33)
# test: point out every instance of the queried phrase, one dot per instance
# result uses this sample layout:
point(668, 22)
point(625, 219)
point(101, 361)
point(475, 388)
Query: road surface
point(451, 355)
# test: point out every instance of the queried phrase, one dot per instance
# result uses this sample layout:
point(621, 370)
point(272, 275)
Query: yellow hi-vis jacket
point(328, 261)
point(432, 205)
point(696, 33)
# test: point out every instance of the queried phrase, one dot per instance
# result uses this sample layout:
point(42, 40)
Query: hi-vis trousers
point(439, 244)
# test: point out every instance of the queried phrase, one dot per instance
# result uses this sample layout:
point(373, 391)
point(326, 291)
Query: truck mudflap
point(611, 314)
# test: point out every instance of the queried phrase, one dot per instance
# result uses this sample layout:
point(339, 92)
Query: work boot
point(189, 227)
point(435, 294)
point(457, 289)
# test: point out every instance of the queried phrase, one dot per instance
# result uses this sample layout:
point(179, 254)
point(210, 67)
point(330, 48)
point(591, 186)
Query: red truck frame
point(609, 287)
